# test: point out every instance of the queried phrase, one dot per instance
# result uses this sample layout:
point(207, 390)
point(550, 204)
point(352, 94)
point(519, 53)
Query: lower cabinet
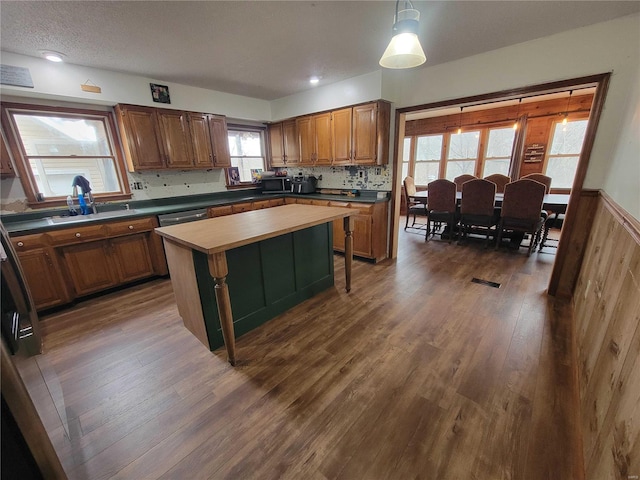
point(46, 283)
point(64, 264)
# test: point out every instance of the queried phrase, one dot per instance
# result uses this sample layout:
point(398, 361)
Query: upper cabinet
point(357, 135)
point(284, 142)
point(155, 138)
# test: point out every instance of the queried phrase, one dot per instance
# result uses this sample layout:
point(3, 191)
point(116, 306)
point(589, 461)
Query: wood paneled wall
point(607, 334)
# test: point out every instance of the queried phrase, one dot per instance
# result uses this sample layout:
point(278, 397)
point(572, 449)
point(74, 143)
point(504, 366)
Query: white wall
point(354, 90)
point(608, 46)
point(61, 81)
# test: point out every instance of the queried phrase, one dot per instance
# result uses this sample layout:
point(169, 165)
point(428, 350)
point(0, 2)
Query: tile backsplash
point(360, 178)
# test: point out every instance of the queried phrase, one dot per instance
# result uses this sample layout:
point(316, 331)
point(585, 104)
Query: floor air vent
point(485, 282)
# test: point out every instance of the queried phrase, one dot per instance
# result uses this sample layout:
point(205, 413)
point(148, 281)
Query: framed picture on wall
point(160, 93)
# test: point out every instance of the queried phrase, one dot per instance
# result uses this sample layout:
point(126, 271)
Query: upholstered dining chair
point(462, 179)
point(413, 208)
point(500, 181)
point(441, 206)
point(522, 210)
point(477, 207)
point(543, 179)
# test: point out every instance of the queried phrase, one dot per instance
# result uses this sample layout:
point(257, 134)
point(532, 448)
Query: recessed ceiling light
point(314, 80)
point(52, 56)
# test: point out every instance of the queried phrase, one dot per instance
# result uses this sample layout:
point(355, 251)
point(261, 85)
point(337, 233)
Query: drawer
point(276, 202)
point(290, 200)
point(220, 211)
point(340, 204)
point(131, 226)
point(304, 201)
point(321, 203)
point(29, 242)
point(77, 235)
point(261, 204)
point(363, 208)
point(241, 207)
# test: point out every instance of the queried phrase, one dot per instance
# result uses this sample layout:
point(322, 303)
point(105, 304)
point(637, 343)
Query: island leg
point(219, 270)
point(348, 250)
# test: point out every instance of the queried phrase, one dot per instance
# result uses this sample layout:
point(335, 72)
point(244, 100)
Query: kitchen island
point(231, 274)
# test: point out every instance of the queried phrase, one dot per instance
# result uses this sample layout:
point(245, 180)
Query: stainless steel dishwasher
point(182, 217)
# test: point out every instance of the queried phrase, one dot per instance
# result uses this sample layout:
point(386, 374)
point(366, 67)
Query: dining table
point(555, 203)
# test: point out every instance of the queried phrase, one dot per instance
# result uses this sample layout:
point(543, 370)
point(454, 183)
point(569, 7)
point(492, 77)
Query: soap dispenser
point(72, 208)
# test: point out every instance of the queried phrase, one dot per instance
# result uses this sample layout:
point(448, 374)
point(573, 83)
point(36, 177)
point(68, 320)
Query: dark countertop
point(37, 221)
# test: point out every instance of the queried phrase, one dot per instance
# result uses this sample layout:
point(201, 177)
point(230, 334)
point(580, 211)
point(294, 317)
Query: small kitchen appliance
point(304, 184)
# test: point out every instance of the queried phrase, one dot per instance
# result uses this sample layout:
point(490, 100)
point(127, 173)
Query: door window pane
point(564, 153)
point(406, 156)
point(463, 154)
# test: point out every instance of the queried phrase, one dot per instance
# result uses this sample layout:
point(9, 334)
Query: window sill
point(62, 202)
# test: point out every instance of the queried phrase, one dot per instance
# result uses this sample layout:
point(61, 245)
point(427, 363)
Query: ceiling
point(267, 49)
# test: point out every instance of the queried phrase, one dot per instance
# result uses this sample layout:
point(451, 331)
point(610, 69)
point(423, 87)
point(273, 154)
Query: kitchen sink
point(91, 216)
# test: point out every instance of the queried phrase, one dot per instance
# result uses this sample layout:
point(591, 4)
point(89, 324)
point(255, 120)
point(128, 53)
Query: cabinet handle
point(49, 259)
point(130, 227)
point(78, 235)
point(21, 244)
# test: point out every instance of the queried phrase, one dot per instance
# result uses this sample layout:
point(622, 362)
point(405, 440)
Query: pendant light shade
point(404, 50)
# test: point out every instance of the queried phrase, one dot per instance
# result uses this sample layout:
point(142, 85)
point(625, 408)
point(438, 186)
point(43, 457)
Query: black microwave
point(276, 184)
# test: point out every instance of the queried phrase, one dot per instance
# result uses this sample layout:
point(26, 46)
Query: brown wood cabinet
point(42, 271)
point(155, 138)
point(356, 135)
point(140, 137)
point(6, 167)
point(315, 139)
point(284, 143)
point(61, 265)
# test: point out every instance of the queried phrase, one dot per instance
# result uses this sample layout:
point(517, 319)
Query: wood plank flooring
point(416, 374)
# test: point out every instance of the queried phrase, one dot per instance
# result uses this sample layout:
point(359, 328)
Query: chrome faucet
point(92, 203)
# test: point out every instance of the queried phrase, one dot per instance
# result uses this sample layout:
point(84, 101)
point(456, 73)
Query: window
point(55, 145)
point(498, 155)
point(428, 154)
point(246, 146)
point(565, 152)
point(463, 154)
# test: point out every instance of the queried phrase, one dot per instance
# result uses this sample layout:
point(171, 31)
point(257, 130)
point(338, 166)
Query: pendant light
point(515, 124)
point(566, 112)
point(460, 122)
point(404, 50)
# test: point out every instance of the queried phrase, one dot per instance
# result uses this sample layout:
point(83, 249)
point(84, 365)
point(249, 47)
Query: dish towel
point(83, 183)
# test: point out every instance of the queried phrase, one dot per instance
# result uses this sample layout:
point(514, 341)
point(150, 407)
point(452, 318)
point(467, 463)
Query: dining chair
point(462, 179)
point(413, 208)
point(441, 206)
point(555, 220)
point(500, 181)
point(521, 210)
point(543, 179)
point(477, 207)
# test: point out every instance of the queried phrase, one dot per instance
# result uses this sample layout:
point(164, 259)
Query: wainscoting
point(607, 314)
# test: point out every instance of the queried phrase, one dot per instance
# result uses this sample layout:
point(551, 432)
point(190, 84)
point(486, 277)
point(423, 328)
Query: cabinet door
point(219, 141)
point(322, 127)
point(6, 168)
point(365, 134)
point(43, 277)
point(338, 235)
point(276, 143)
point(90, 266)
point(200, 140)
point(176, 139)
point(130, 254)
point(362, 235)
point(140, 137)
point(290, 140)
point(219, 211)
point(306, 130)
point(341, 133)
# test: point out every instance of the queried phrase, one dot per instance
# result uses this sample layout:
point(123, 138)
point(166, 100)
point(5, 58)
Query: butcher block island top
point(263, 261)
point(224, 233)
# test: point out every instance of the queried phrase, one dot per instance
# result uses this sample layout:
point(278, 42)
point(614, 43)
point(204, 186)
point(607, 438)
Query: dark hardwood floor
point(418, 373)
